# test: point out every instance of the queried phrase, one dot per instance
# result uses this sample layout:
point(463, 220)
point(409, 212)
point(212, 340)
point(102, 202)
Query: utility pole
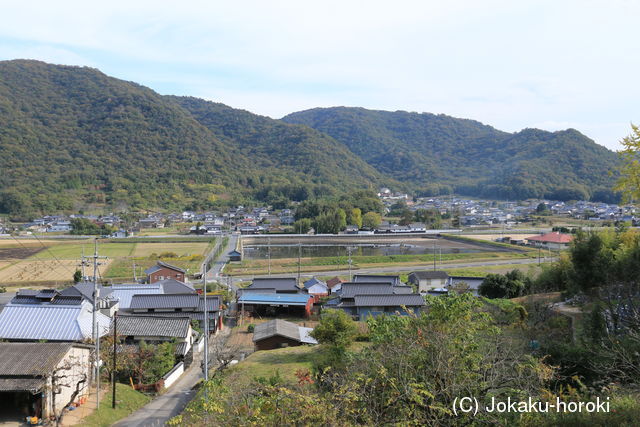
point(269, 253)
point(299, 257)
point(96, 331)
point(434, 255)
point(135, 276)
point(113, 371)
point(206, 327)
point(349, 249)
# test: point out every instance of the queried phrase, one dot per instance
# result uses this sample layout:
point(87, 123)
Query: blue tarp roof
point(289, 299)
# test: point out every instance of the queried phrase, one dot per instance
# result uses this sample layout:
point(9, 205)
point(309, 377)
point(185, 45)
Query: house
point(364, 299)
point(178, 305)
point(373, 278)
point(156, 330)
point(555, 241)
point(42, 379)
point(428, 280)
point(235, 256)
point(162, 271)
point(278, 333)
point(317, 288)
point(47, 315)
point(334, 284)
point(282, 285)
point(269, 303)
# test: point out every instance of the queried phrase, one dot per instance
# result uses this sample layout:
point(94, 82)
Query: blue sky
point(510, 64)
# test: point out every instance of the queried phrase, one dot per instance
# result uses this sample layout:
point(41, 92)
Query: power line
point(54, 257)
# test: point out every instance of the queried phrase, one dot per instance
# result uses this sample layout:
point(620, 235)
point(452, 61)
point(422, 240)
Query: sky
point(510, 64)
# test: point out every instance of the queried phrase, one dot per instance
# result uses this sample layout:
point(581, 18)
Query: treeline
point(361, 208)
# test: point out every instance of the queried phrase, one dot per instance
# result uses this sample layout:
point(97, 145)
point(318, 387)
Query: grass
point(74, 250)
point(283, 362)
point(288, 265)
point(127, 402)
point(191, 248)
point(481, 271)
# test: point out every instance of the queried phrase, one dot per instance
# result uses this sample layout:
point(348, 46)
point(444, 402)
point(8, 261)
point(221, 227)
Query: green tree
point(629, 181)
point(336, 329)
point(371, 220)
point(302, 226)
point(511, 285)
point(77, 276)
point(354, 217)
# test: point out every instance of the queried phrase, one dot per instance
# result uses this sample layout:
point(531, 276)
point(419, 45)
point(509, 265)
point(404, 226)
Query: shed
point(279, 333)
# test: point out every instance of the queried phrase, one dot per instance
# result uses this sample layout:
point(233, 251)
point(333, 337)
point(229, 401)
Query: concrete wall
point(173, 375)
point(75, 366)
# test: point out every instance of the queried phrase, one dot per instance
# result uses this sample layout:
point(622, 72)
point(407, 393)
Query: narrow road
point(166, 406)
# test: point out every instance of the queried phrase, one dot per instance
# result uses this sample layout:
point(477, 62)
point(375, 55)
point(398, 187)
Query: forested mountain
point(437, 154)
point(72, 136)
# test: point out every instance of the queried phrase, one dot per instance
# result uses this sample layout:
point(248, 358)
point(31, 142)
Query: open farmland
point(29, 262)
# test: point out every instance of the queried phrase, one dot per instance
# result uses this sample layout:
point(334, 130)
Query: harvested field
point(18, 252)
point(41, 270)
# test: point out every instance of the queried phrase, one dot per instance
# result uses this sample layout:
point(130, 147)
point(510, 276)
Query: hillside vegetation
point(73, 137)
point(439, 154)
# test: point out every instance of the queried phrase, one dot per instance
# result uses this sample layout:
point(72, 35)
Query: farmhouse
point(554, 241)
point(47, 315)
point(41, 379)
point(428, 280)
point(156, 330)
point(317, 288)
point(272, 303)
point(178, 305)
point(278, 333)
point(162, 271)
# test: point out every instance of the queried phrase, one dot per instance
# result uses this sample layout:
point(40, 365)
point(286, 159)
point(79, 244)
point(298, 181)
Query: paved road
point(173, 401)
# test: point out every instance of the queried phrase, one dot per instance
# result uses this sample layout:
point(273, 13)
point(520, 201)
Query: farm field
point(29, 262)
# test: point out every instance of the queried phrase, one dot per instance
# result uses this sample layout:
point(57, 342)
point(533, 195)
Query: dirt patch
point(14, 253)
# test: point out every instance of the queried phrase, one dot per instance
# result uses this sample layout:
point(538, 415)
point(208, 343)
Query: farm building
point(278, 333)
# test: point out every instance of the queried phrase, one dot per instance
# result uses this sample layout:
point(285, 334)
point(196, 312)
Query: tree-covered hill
point(439, 153)
point(72, 136)
point(316, 164)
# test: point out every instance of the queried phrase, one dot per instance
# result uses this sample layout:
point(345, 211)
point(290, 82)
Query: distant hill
point(436, 154)
point(72, 137)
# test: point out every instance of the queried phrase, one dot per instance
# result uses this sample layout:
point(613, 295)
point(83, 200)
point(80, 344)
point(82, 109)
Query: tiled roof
point(160, 264)
point(277, 283)
point(50, 322)
point(189, 301)
point(334, 281)
point(396, 300)
point(349, 290)
point(283, 328)
point(372, 278)
point(289, 299)
point(153, 326)
point(554, 237)
point(124, 293)
point(24, 366)
point(173, 286)
point(213, 303)
point(425, 275)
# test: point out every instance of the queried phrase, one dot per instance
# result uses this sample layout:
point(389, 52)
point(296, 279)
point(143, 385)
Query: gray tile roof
point(349, 290)
point(396, 300)
point(184, 301)
point(372, 278)
point(161, 264)
point(173, 286)
point(282, 328)
point(425, 275)
point(278, 283)
point(153, 326)
point(24, 366)
point(193, 302)
point(85, 290)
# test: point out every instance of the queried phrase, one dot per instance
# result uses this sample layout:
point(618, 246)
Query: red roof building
point(553, 240)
